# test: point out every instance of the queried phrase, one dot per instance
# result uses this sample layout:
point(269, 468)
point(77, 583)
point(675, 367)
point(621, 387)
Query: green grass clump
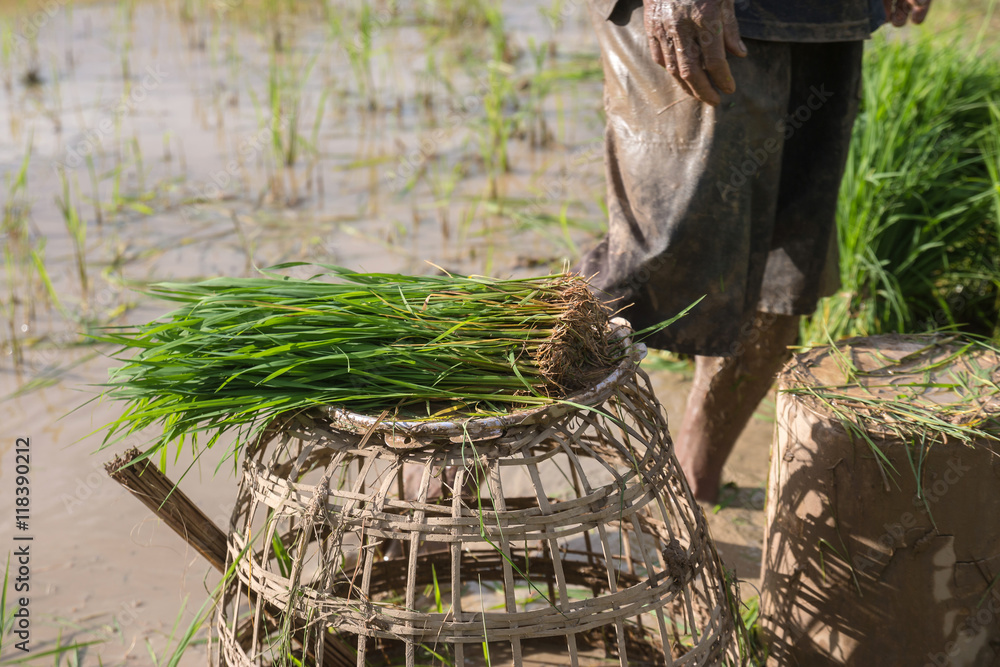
point(239, 351)
point(919, 211)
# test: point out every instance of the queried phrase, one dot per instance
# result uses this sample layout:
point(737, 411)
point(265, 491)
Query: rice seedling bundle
point(239, 351)
point(918, 215)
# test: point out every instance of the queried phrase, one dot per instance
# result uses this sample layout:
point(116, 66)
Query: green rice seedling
point(539, 87)
point(385, 309)
point(557, 229)
point(755, 647)
point(750, 644)
point(498, 124)
point(993, 160)
point(443, 660)
point(29, 55)
point(244, 242)
point(237, 353)
point(312, 145)
point(438, 606)
point(454, 16)
point(15, 209)
point(671, 362)
point(77, 229)
point(442, 185)
point(7, 46)
point(555, 16)
point(117, 199)
point(569, 71)
point(426, 80)
point(49, 377)
point(917, 218)
point(174, 653)
point(96, 188)
point(186, 11)
point(287, 75)
point(6, 617)
point(38, 261)
point(272, 10)
point(126, 16)
point(140, 172)
point(167, 154)
point(482, 608)
point(356, 41)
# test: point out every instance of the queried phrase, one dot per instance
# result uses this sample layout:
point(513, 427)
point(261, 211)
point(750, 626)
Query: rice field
point(919, 211)
point(147, 141)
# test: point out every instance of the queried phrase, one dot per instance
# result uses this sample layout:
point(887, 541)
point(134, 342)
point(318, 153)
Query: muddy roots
point(581, 350)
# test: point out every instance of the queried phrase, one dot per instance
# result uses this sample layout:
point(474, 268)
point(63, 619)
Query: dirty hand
point(690, 39)
point(897, 11)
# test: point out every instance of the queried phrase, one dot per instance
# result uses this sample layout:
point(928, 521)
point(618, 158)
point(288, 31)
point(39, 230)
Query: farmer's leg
point(724, 395)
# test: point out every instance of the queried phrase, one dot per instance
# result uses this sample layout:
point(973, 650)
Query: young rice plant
point(238, 352)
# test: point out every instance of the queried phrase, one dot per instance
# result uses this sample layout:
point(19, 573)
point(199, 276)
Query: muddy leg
point(725, 392)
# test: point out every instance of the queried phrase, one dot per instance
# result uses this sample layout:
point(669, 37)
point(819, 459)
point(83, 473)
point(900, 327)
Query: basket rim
point(495, 425)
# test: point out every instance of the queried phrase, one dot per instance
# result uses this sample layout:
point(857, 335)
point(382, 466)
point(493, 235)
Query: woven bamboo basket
point(361, 541)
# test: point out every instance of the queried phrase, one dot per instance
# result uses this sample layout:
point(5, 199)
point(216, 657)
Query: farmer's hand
point(690, 39)
point(897, 11)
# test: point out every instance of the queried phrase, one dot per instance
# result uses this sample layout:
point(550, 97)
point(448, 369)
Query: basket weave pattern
point(576, 525)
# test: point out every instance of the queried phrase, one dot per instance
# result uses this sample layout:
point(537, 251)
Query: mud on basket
point(565, 529)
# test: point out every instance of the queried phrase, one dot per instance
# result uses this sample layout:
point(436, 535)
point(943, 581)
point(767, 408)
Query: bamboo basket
point(388, 542)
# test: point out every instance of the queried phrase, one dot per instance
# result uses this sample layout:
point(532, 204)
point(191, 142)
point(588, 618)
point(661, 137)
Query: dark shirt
point(809, 20)
point(786, 20)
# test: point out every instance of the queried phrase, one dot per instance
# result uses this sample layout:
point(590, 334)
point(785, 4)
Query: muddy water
point(157, 123)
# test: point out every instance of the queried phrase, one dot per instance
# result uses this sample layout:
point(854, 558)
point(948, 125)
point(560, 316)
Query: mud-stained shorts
point(735, 203)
